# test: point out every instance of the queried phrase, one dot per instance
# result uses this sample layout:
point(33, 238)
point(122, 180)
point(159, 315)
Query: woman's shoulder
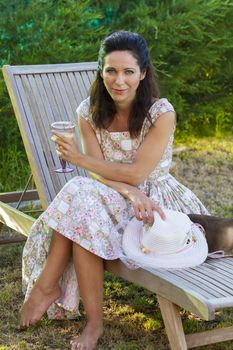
point(84, 108)
point(160, 106)
point(83, 111)
point(157, 109)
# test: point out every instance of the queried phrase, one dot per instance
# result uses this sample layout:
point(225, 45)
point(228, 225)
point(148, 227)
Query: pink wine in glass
point(66, 129)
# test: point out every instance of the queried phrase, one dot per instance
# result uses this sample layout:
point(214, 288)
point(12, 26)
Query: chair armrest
point(15, 219)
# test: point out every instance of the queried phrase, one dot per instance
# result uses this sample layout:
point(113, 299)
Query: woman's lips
point(119, 91)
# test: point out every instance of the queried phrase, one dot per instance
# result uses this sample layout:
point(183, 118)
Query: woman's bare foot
point(89, 337)
point(36, 305)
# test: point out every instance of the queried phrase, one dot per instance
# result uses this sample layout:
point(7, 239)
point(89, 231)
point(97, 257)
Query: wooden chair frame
point(44, 93)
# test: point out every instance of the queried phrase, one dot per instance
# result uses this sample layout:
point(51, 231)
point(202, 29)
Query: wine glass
point(66, 129)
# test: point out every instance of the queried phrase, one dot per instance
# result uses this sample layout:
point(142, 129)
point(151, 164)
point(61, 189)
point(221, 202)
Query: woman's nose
point(119, 79)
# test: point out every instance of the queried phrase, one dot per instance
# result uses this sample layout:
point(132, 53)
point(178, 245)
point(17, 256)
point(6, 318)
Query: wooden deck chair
point(46, 93)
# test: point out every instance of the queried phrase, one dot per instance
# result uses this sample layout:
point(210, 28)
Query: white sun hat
point(171, 243)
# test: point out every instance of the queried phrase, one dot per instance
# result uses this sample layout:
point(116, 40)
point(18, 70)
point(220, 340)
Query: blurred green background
point(190, 44)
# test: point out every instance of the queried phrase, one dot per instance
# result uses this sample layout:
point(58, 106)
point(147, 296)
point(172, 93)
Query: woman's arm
point(142, 205)
point(148, 155)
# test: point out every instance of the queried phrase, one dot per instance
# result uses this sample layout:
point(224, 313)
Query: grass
point(131, 314)
point(14, 169)
point(206, 167)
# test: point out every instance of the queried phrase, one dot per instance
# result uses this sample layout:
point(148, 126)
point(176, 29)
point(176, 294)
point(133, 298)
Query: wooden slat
point(36, 159)
point(65, 100)
point(70, 94)
point(74, 104)
point(79, 79)
point(38, 135)
point(53, 68)
point(91, 76)
point(13, 240)
point(44, 121)
point(64, 96)
point(51, 97)
point(75, 88)
point(220, 275)
point(222, 263)
point(71, 113)
point(86, 81)
point(218, 278)
point(15, 94)
point(218, 264)
point(58, 98)
point(62, 115)
point(44, 132)
point(187, 280)
point(200, 283)
point(11, 197)
point(51, 114)
point(209, 337)
point(210, 281)
point(228, 261)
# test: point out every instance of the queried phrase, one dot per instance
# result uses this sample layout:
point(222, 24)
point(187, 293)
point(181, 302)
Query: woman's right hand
point(143, 206)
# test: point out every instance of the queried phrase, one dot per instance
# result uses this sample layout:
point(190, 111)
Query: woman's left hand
point(67, 147)
point(143, 206)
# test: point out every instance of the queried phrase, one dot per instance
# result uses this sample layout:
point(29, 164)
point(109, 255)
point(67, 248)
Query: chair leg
point(173, 324)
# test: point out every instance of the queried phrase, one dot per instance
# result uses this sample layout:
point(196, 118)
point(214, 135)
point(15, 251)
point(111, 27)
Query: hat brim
point(195, 253)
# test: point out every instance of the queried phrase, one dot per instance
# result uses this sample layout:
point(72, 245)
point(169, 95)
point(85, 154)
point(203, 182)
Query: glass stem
point(63, 163)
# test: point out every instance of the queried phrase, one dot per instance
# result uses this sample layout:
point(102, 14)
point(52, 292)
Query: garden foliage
point(190, 43)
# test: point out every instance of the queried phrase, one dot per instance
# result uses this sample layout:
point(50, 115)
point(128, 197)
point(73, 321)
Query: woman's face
point(121, 76)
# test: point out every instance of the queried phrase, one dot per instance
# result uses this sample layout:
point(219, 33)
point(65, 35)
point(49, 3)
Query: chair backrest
point(42, 94)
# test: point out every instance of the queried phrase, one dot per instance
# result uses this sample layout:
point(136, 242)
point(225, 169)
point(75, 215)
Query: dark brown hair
point(102, 106)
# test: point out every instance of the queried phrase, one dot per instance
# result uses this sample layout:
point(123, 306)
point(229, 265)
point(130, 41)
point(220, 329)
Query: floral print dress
point(94, 215)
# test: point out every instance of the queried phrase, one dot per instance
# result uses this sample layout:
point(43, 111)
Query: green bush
point(36, 32)
point(191, 47)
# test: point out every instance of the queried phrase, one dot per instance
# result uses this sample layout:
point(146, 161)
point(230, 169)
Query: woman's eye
point(109, 70)
point(129, 72)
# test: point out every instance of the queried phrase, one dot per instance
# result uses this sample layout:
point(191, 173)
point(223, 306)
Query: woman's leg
point(46, 289)
point(89, 270)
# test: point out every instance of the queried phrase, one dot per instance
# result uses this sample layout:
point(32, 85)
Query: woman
point(127, 134)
